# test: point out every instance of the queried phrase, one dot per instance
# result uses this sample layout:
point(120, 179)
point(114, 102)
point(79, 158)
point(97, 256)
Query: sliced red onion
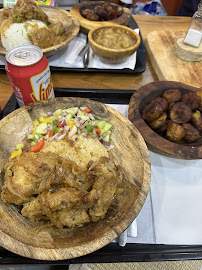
point(60, 137)
point(63, 123)
point(49, 113)
point(105, 144)
point(83, 124)
point(72, 132)
point(91, 116)
point(54, 137)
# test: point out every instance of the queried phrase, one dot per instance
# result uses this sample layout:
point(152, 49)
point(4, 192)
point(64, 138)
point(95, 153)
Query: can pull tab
point(22, 55)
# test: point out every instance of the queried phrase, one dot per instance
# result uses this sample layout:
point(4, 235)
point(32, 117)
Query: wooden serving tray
point(87, 25)
point(160, 46)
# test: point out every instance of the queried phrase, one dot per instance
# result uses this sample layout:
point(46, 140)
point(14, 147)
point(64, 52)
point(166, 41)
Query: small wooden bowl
point(54, 14)
point(109, 55)
point(154, 141)
point(87, 25)
point(18, 234)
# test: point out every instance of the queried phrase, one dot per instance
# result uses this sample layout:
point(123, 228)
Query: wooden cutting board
point(160, 48)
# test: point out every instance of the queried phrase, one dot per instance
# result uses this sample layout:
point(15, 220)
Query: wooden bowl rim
point(150, 136)
point(85, 23)
point(57, 46)
point(52, 254)
point(132, 48)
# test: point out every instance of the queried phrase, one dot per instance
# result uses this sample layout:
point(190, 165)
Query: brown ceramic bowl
point(111, 55)
point(71, 25)
point(18, 234)
point(156, 142)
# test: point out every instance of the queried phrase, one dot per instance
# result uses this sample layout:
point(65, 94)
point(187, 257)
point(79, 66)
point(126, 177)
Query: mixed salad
point(67, 122)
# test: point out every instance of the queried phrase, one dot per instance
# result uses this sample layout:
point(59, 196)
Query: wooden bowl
point(154, 141)
point(87, 25)
point(55, 14)
point(109, 55)
point(18, 234)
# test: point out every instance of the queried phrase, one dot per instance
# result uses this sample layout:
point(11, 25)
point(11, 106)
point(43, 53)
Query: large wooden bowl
point(18, 234)
point(55, 14)
point(87, 25)
point(111, 55)
point(154, 141)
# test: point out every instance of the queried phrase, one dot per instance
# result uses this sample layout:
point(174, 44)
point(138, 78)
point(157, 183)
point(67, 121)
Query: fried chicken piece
point(42, 37)
point(60, 207)
point(24, 174)
point(196, 120)
point(172, 95)
point(175, 132)
point(192, 134)
point(26, 10)
point(180, 113)
point(105, 185)
point(192, 100)
point(160, 121)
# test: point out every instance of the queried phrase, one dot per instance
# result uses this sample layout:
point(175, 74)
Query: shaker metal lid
point(24, 55)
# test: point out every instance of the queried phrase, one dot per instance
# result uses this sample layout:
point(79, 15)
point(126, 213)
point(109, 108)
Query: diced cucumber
point(104, 126)
point(20, 146)
point(72, 110)
point(57, 112)
point(97, 121)
point(83, 116)
point(106, 136)
point(68, 117)
point(41, 129)
point(31, 137)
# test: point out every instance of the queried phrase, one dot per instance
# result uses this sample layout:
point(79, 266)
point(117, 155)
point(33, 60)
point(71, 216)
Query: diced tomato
point(59, 124)
point(50, 132)
point(97, 130)
point(37, 147)
point(87, 109)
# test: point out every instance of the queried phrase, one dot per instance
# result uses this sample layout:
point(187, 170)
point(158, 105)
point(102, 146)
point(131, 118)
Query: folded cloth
point(72, 59)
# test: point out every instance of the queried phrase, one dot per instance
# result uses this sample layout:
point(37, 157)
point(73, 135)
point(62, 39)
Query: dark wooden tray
point(112, 252)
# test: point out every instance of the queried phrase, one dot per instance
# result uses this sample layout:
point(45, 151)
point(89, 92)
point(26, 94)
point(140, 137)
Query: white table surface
point(172, 212)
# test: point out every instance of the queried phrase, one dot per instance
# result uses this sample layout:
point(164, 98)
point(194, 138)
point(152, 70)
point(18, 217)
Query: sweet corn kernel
point(16, 153)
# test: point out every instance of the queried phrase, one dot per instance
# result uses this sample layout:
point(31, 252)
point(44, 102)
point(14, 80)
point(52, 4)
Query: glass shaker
point(194, 33)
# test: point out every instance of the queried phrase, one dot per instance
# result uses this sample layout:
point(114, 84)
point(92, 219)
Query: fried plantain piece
point(199, 93)
point(172, 95)
point(192, 100)
point(170, 105)
point(100, 11)
point(152, 111)
point(180, 113)
point(161, 120)
point(162, 102)
point(175, 132)
point(196, 120)
point(162, 128)
point(192, 134)
point(90, 15)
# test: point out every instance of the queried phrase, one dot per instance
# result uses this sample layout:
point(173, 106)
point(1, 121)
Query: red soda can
point(29, 74)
